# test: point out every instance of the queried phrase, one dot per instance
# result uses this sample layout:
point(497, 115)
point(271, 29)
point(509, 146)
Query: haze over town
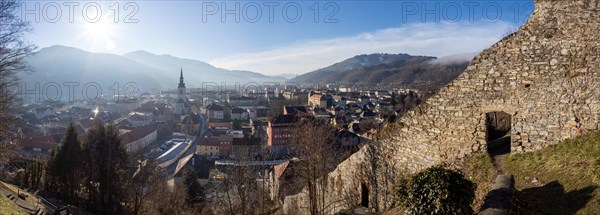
point(299, 107)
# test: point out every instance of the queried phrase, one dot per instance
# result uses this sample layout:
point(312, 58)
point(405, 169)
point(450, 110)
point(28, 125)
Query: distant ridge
point(150, 71)
point(387, 68)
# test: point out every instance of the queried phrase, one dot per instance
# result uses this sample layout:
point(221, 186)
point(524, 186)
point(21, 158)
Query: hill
point(387, 68)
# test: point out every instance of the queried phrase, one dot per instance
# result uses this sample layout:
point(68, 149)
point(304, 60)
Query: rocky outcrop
point(546, 77)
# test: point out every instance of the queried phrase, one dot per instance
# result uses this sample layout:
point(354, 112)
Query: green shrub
point(437, 191)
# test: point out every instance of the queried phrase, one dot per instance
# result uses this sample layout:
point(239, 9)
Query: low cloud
point(431, 39)
point(455, 58)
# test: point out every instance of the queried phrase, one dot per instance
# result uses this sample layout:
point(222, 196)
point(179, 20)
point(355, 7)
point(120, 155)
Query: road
point(192, 148)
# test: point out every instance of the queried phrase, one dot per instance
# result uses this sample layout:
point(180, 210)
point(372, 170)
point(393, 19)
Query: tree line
point(98, 174)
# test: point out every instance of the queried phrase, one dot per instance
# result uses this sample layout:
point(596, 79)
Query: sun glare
point(99, 29)
point(101, 34)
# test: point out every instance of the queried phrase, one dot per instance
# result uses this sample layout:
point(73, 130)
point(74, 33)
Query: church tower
point(181, 86)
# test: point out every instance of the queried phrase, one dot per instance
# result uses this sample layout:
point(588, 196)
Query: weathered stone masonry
point(546, 76)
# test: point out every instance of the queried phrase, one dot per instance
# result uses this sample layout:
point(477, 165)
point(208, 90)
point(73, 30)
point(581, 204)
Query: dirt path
point(498, 149)
point(498, 163)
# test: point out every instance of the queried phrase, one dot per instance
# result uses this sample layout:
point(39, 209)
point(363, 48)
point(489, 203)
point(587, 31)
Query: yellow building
point(207, 149)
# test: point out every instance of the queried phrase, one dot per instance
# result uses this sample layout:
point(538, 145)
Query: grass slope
point(560, 179)
point(567, 175)
point(480, 170)
point(7, 207)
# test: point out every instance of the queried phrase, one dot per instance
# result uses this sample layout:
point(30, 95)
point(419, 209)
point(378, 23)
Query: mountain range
point(63, 64)
point(151, 72)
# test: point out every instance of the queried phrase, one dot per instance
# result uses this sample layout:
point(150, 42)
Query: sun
point(99, 29)
point(101, 33)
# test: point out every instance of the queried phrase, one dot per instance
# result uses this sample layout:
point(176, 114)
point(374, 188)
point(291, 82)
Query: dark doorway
point(498, 133)
point(364, 197)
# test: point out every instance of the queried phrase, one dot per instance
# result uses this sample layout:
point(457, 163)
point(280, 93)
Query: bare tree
point(244, 186)
point(314, 145)
point(162, 200)
point(145, 176)
point(13, 49)
point(379, 172)
point(239, 183)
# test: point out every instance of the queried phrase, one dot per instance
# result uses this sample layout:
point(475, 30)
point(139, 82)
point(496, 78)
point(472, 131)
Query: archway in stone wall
point(364, 196)
point(498, 126)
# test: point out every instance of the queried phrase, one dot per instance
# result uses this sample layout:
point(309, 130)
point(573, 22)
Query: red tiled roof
point(207, 141)
point(53, 138)
point(138, 133)
point(42, 142)
point(41, 145)
point(280, 169)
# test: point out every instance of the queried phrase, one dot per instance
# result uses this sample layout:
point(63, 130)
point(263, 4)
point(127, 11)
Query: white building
point(139, 138)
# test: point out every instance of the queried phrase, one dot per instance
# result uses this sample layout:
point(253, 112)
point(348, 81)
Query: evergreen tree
point(51, 170)
point(105, 164)
point(70, 161)
point(195, 192)
point(93, 138)
point(63, 168)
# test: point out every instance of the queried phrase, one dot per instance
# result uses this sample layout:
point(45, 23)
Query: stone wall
point(546, 76)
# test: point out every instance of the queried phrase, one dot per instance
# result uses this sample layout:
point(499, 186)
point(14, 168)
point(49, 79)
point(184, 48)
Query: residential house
point(292, 110)
point(250, 113)
point(225, 144)
point(220, 125)
point(139, 119)
point(340, 100)
point(238, 114)
point(79, 112)
point(152, 107)
point(346, 138)
point(368, 114)
point(200, 164)
point(246, 146)
point(321, 113)
point(290, 95)
point(338, 110)
point(242, 101)
point(280, 130)
point(39, 147)
point(215, 112)
point(139, 138)
point(364, 99)
point(190, 124)
point(43, 112)
point(208, 146)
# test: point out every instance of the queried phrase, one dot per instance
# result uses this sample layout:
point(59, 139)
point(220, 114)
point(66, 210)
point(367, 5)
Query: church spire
point(181, 84)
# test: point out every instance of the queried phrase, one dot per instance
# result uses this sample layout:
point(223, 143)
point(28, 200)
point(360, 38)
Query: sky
point(274, 37)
